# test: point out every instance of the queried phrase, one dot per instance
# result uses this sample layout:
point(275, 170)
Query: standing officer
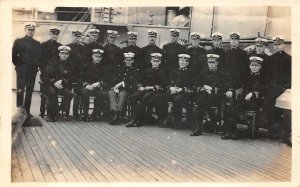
point(112, 53)
point(178, 90)
point(209, 87)
point(49, 53)
point(94, 83)
point(279, 80)
point(60, 76)
point(171, 51)
point(123, 84)
point(76, 56)
point(152, 82)
point(93, 35)
point(217, 48)
point(26, 56)
point(197, 53)
point(149, 49)
point(236, 60)
point(133, 48)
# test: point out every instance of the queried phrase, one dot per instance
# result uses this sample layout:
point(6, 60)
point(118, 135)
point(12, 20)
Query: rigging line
point(212, 22)
point(78, 14)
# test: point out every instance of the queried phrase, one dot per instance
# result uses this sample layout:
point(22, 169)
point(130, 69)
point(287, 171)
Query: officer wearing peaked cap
point(236, 60)
point(133, 48)
point(60, 76)
point(151, 83)
point(178, 92)
point(95, 83)
point(49, 52)
point(149, 49)
point(112, 53)
point(217, 48)
point(171, 51)
point(26, 56)
point(209, 90)
point(77, 56)
point(279, 80)
point(93, 43)
point(124, 83)
point(197, 53)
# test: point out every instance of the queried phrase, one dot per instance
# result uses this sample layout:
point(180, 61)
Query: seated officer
point(149, 49)
point(94, 83)
point(112, 53)
point(152, 83)
point(60, 75)
point(197, 53)
point(253, 86)
point(217, 48)
point(209, 89)
point(177, 91)
point(123, 83)
point(133, 48)
point(172, 50)
point(49, 52)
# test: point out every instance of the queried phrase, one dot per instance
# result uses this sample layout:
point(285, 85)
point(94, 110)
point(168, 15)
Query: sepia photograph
point(150, 94)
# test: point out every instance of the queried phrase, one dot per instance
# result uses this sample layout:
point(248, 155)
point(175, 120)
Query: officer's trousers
point(76, 100)
point(25, 80)
point(100, 104)
point(117, 101)
point(52, 106)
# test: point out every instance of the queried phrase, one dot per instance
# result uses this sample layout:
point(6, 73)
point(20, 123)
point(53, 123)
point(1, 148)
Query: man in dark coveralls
point(49, 52)
point(26, 56)
point(171, 51)
point(152, 82)
point(76, 56)
point(197, 53)
point(279, 80)
point(217, 39)
point(149, 49)
point(112, 54)
point(133, 48)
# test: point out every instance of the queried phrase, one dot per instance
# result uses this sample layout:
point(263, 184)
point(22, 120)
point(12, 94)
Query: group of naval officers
point(150, 78)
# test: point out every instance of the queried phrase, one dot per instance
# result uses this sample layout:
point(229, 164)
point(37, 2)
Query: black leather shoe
point(234, 136)
point(226, 136)
point(133, 124)
point(194, 133)
point(161, 123)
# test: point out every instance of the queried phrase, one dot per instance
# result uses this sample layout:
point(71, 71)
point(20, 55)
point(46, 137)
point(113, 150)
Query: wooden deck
point(97, 152)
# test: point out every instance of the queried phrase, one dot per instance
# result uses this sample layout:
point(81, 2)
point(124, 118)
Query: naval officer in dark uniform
point(171, 51)
point(49, 52)
point(217, 40)
point(133, 48)
point(112, 54)
point(26, 56)
point(93, 43)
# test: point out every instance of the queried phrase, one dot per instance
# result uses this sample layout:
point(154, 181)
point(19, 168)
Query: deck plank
point(16, 172)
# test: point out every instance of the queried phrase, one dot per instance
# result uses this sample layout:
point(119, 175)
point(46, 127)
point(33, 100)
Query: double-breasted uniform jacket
point(198, 60)
point(112, 55)
point(66, 70)
point(170, 53)
point(146, 53)
point(155, 77)
point(127, 74)
point(254, 83)
point(137, 54)
point(236, 65)
point(280, 70)
point(76, 53)
point(181, 77)
point(49, 52)
point(26, 53)
point(93, 72)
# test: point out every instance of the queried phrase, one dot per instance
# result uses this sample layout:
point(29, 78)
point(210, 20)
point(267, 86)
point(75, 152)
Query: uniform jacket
point(92, 73)
point(146, 53)
point(137, 57)
point(221, 52)
point(170, 52)
point(214, 79)
point(153, 77)
point(26, 51)
point(127, 74)
point(49, 52)
point(181, 78)
point(112, 55)
point(67, 71)
point(76, 53)
point(198, 60)
point(254, 83)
